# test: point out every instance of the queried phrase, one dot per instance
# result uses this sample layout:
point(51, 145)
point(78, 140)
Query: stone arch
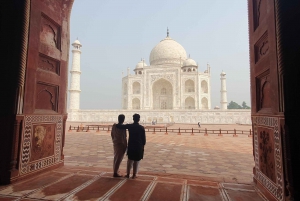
point(136, 104)
point(162, 101)
point(204, 86)
point(189, 86)
point(136, 88)
point(189, 103)
point(204, 103)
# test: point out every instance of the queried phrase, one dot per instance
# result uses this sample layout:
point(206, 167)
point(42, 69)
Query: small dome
point(77, 42)
point(167, 51)
point(217, 107)
point(223, 73)
point(141, 64)
point(189, 62)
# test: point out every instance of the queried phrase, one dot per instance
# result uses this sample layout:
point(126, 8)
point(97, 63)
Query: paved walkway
point(226, 158)
point(79, 183)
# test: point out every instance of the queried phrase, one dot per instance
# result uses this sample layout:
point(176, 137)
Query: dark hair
point(121, 118)
point(136, 117)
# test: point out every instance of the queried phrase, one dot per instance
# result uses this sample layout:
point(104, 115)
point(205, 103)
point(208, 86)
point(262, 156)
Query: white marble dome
point(189, 62)
point(167, 51)
point(141, 64)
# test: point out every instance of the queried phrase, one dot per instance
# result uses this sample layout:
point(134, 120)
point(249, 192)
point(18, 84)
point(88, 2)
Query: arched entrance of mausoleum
point(35, 44)
point(162, 93)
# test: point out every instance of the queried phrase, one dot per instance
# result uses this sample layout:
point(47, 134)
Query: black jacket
point(136, 141)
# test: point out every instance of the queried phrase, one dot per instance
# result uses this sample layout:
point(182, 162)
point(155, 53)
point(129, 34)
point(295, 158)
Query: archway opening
point(162, 92)
point(189, 103)
point(189, 86)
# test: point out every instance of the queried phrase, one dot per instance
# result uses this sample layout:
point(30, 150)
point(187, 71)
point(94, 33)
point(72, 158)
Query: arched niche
point(204, 87)
point(189, 103)
point(136, 104)
point(162, 92)
point(136, 88)
point(204, 103)
point(189, 86)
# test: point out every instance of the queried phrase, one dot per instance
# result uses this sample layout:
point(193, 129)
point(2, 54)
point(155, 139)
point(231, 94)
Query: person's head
point(121, 118)
point(136, 118)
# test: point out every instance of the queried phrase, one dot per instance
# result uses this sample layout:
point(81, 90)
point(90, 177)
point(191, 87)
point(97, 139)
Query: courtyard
point(225, 158)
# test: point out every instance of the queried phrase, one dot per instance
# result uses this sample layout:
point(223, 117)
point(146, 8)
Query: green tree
point(233, 105)
point(245, 106)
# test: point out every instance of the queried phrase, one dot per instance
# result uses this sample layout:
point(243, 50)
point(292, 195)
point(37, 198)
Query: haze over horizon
point(116, 34)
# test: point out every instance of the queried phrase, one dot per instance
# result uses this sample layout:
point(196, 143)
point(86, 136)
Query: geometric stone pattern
point(275, 188)
point(97, 184)
point(26, 165)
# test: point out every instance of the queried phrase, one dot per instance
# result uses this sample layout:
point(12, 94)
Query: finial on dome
point(189, 56)
point(167, 32)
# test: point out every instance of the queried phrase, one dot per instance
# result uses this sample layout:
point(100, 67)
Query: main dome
point(167, 51)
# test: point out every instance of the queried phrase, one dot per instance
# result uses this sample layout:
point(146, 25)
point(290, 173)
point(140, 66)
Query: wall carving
point(41, 127)
point(266, 152)
point(50, 32)
point(263, 90)
point(48, 64)
point(261, 47)
point(42, 144)
point(260, 10)
point(46, 97)
point(273, 181)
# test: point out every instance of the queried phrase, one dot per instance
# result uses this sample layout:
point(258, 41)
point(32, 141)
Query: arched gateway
point(162, 94)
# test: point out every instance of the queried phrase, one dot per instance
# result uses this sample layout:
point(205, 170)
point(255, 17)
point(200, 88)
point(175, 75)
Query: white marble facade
point(171, 81)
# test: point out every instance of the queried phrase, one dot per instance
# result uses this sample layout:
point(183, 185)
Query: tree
point(233, 105)
point(245, 106)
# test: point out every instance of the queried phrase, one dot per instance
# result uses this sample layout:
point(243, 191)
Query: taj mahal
point(172, 88)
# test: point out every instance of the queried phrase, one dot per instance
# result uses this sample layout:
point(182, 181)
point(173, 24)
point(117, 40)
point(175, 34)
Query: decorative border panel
point(26, 165)
point(275, 188)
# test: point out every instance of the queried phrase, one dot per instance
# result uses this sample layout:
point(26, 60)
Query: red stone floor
point(91, 183)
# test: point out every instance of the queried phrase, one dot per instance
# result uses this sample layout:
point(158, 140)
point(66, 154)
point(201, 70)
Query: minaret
point(75, 77)
point(223, 91)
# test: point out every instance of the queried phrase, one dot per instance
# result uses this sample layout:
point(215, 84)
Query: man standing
point(118, 137)
point(136, 143)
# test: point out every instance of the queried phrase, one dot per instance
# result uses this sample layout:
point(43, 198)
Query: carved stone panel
point(260, 11)
point(263, 91)
point(268, 154)
point(49, 64)
point(261, 47)
point(50, 32)
point(42, 142)
point(40, 132)
point(46, 97)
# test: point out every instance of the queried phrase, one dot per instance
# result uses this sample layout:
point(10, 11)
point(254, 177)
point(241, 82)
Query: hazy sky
point(116, 34)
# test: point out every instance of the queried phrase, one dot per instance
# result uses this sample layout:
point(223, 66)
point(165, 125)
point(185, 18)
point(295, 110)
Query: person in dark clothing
point(136, 143)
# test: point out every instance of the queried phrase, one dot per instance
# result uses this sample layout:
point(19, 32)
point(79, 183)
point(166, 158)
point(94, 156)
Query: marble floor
point(91, 183)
